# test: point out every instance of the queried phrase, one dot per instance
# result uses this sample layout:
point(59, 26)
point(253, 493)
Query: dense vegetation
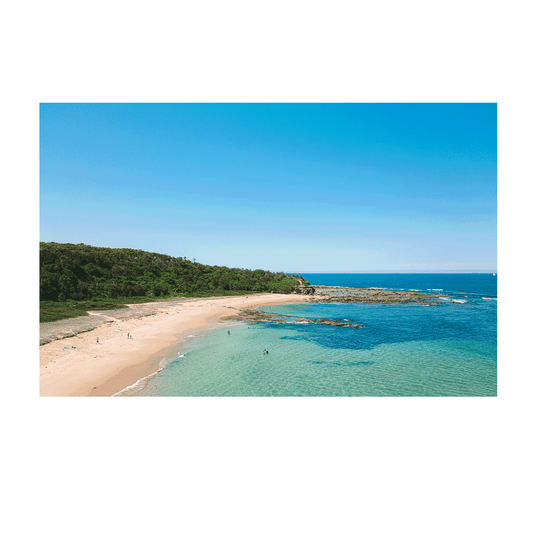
point(77, 277)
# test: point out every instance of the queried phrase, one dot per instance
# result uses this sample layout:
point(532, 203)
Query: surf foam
point(139, 384)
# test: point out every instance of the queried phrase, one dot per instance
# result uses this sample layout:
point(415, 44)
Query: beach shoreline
point(106, 359)
point(95, 356)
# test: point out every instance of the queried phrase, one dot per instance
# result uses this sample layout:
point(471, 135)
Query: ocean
point(401, 350)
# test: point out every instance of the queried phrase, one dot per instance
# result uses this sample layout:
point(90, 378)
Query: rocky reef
point(327, 294)
point(253, 316)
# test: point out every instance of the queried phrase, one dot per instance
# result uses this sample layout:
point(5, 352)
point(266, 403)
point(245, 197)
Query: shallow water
point(402, 350)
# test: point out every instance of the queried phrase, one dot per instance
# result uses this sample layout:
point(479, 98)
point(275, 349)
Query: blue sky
point(291, 187)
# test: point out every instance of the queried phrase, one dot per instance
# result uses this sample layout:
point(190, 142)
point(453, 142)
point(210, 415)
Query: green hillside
point(77, 277)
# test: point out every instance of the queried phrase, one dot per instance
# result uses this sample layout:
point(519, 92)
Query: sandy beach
point(116, 361)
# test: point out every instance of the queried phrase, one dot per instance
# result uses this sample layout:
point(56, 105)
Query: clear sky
point(283, 187)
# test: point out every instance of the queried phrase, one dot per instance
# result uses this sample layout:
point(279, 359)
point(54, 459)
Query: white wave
point(380, 288)
point(483, 297)
point(442, 298)
point(139, 384)
point(459, 301)
point(434, 289)
point(191, 336)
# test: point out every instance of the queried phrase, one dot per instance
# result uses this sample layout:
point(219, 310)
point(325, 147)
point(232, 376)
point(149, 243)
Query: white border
point(31, 95)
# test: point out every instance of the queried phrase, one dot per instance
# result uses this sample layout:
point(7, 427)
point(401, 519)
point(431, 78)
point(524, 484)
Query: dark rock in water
point(253, 315)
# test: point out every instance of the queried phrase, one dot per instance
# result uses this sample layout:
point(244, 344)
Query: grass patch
point(51, 311)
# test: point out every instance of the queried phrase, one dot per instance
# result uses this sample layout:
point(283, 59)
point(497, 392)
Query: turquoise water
point(402, 350)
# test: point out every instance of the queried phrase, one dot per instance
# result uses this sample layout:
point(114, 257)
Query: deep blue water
point(475, 285)
point(402, 349)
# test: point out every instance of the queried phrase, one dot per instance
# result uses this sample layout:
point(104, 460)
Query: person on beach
point(96, 340)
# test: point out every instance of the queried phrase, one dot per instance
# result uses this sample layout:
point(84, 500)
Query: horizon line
point(394, 272)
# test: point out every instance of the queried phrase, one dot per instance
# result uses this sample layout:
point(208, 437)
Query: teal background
point(265, 474)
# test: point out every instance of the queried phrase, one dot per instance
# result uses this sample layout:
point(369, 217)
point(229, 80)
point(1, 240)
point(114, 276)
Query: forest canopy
point(82, 272)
